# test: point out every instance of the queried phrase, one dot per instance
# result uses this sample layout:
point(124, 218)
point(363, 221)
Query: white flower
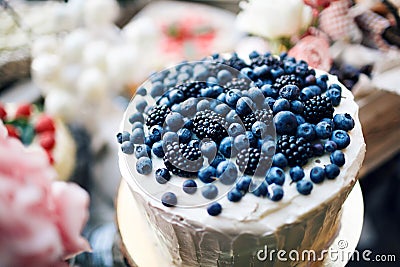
point(274, 19)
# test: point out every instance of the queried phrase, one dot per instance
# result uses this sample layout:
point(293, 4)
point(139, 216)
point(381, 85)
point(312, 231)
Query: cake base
point(140, 247)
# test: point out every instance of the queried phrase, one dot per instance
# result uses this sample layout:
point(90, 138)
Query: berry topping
point(285, 122)
point(317, 108)
point(209, 191)
point(182, 159)
point(307, 131)
point(234, 195)
point(169, 199)
point(296, 150)
point(317, 175)
point(207, 174)
point(337, 157)
point(275, 192)
point(279, 160)
point(23, 111)
point(261, 115)
point(248, 159)
point(144, 165)
point(47, 140)
point(140, 150)
point(290, 92)
point(304, 187)
point(341, 138)
point(323, 130)
point(332, 171)
point(275, 176)
point(214, 209)
point(343, 122)
point(189, 186)
point(157, 115)
point(162, 176)
point(284, 80)
point(239, 84)
point(208, 124)
point(296, 173)
point(227, 172)
point(44, 123)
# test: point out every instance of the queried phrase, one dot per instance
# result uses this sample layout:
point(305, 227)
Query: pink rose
point(314, 50)
point(40, 220)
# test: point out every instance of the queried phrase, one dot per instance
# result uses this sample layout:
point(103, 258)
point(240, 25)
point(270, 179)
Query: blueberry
point(224, 76)
point(300, 120)
point(208, 149)
point(137, 116)
point(241, 142)
point(200, 73)
point(321, 82)
point(318, 149)
point(330, 146)
point(158, 149)
point(235, 129)
point(259, 129)
point(310, 79)
point(203, 105)
point(125, 136)
point(285, 122)
point(227, 172)
point(335, 96)
point(207, 174)
point(268, 148)
point(214, 209)
point(169, 199)
point(275, 175)
point(323, 130)
point(232, 97)
point(304, 187)
point(212, 80)
point(127, 147)
point(189, 186)
point(275, 192)
point(144, 165)
point(222, 109)
point(149, 141)
point(188, 107)
point(244, 106)
point(184, 135)
point(296, 173)
point(243, 184)
point(141, 91)
point(164, 101)
point(194, 143)
point(174, 121)
point(317, 175)
point(307, 93)
point(281, 105)
point(156, 130)
point(343, 122)
point(226, 147)
point(269, 91)
point(119, 138)
point(332, 171)
point(217, 160)
point(142, 151)
point(256, 95)
point(162, 175)
point(254, 54)
point(188, 124)
point(248, 73)
point(209, 191)
point(337, 157)
point(341, 138)
point(336, 86)
point(141, 105)
point(207, 92)
point(170, 137)
point(137, 125)
point(234, 195)
point(232, 117)
point(268, 103)
point(290, 92)
point(252, 139)
point(261, 71)
point(297, 107)
point(307, 131)
point(222, 97)
point(137, 136)
point(277, 72)
point(261, 190)
point(157, 89)
point(279, 160)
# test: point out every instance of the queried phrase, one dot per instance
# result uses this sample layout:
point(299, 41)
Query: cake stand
point(141, 249)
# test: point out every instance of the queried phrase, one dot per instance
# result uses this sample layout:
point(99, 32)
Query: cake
point(240, 155)
point(37, 130)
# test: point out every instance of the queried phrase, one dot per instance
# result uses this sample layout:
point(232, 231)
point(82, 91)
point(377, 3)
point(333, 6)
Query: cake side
point(194, 238)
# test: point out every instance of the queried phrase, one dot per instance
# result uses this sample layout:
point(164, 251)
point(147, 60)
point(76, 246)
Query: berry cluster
point(219, 129)
point(27, 125)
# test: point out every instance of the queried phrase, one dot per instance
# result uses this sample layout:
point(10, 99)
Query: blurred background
point(93, 54)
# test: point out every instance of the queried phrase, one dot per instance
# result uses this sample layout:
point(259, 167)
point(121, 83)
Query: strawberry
point(3, 112)
point(50, 157)
point(12, 131)
point(47, 140)
point(44, 124)
point(23, 111)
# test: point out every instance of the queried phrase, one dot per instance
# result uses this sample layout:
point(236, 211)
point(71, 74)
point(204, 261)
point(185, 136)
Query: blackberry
point(248, 159)
point(240, 84)
point(287, 79)
point(296, 150)
point(317, 108)
point(263, 115)
point(268, 60)
point(235, 62)
point(183, 159)
point(209, 124)
point(191, 89)
point(157, 116)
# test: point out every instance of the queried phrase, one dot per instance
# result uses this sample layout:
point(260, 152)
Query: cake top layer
point(228, 131)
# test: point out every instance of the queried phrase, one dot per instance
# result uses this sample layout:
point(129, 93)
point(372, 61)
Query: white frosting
point(192, 237)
